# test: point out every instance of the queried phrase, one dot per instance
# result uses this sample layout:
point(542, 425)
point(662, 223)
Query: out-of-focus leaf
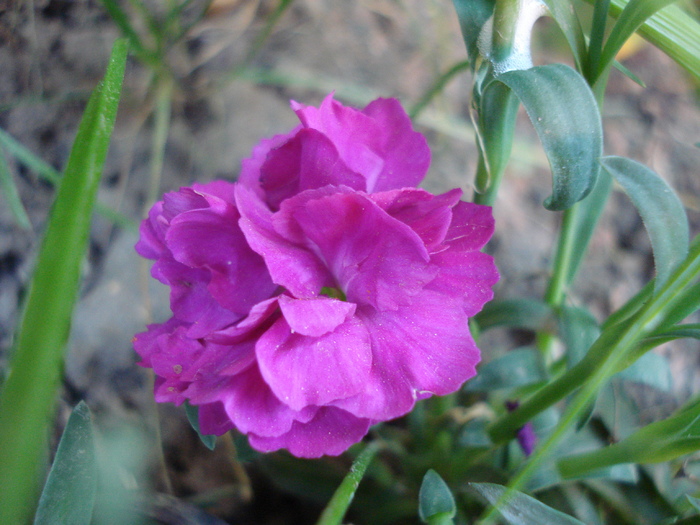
point(437, 87)
point(193, 417)
point(665, 440)
point(9, 190)
point(518, 367)
point(579, 330)
point(521, 509)
point(695, 502)
point(661, 211)
point(652, 370)
point(565, 115)
point(585, 217)
point(472, 15)
point(565, 16)
point(515, 313)
point(635, 13)
point(687, 302)
point(28, 394)
point(436, 505)
point(625, 71)
point(69, 494)
point(631, 307)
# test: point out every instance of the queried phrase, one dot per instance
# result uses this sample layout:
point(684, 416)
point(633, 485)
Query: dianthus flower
point(322, 292)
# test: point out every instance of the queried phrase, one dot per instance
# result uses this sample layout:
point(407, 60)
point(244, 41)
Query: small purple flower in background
point(322, 292)
point(527, 439)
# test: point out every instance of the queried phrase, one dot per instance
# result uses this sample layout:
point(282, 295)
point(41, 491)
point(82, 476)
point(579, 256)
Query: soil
point(53, 52)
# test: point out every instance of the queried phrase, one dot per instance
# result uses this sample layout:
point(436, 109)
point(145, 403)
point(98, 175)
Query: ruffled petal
point(374, 258)
point(418, 350)
point(307, 161)
point(293, 267)
point(329, 433)
point(304, 371)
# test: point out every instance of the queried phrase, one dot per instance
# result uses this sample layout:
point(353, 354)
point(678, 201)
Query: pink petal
point(307, 161)
point(315, 317)
point(304, 371)
point(293, 267)
point(472, 226)
point(374, 258)
point(330, 433)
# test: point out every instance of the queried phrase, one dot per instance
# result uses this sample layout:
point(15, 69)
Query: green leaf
point(635, 13)
point(661, 211)
point(193, 417)
point(498, 109)
point(69, 494)
point(516, 368)
point(521, 509)
point(579, 330)
point(27, 399)
point(515, 313)
point(565, 16)
point(650, 369)
point(565, 115)
point(339, 503)
point(657, 442)
point(436, 504)
point(9, 190)
point(472, 15)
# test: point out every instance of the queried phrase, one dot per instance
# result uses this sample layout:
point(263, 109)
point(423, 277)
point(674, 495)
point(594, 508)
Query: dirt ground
point(53, 52)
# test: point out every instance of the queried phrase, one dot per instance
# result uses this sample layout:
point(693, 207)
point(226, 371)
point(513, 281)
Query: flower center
point(335, 293)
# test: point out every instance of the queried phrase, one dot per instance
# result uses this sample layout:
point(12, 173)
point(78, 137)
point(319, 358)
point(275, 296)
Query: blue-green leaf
point(435, 501)
point(69, 494)
point(193, 417)
point(661, 211)
point(516, 368)
point(472, 15)
point(521, 509)
point(9, 190)
point(579, 330)
point(650, 369)
point(565, 115)
point(515, 313)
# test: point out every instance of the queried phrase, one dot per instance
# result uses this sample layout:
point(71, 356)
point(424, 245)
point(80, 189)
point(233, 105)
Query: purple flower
point(320, 294)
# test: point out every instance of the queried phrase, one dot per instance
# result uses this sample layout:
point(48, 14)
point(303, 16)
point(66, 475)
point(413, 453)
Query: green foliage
point(436, 505)
point(661, 211)
point(193, 417)
point(565, 115)
point(69, 494)
point(520, 509)
point(28, 392)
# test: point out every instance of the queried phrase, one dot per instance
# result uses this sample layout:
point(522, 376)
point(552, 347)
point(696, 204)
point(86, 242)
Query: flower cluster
point(321, 293)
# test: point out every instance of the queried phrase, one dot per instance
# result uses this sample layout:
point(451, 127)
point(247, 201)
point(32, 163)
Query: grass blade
point(28, 394)
point(9, 190)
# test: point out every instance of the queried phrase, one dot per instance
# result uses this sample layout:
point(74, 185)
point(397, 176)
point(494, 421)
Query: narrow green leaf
point(193, 417)
point(9, 190)
point(661, 211)
point(69, 494)
point(601, 9)
point(565, 115)
point(625, 71)
point(27, 397)
point(664, 440)
point(515, 313)
point(521, 509)
point(635, 13)
point(437, 87)
point(472, 15)
point(338, 506)
point(564, 14)
point(519, 367)
point(436, 504)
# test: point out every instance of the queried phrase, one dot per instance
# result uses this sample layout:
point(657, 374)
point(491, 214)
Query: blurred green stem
point(164, 91)
point(335, 511)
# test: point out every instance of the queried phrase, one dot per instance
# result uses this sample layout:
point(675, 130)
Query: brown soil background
point(53, 52)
